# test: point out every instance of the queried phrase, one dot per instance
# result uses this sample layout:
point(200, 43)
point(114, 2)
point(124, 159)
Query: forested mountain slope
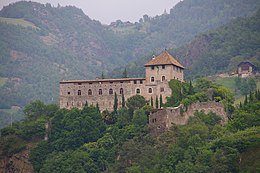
point(89, 141)
point(63, 43)
point(216, 51)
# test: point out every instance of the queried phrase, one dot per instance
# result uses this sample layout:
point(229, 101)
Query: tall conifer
point(161, 101)
point(115, 103)
point(123, 100)
point(157, 102)
point(151, 101)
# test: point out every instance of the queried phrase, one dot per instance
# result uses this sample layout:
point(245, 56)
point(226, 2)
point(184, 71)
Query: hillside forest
point(90, 141)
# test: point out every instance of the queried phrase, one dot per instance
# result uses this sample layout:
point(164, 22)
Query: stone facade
point(162, 119)
point(159, 71)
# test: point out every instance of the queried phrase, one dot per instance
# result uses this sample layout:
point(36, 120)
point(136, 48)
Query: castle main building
point(158, 72)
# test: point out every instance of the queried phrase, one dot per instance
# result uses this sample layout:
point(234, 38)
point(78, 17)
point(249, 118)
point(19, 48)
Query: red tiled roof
point(164, 59)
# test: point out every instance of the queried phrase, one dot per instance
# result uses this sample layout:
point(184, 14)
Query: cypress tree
point(124, 74)
point(157, 102)
point(151, 101)
point(251, 98)
point(102, 75)
point(240, 105)
point(256, 95)
point(115, 103)
point(246, 101)
point(190, 88)
point(97, 106)
point(123, 100)
point(161, 101)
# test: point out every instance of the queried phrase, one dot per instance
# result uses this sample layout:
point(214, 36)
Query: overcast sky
point(107, 11)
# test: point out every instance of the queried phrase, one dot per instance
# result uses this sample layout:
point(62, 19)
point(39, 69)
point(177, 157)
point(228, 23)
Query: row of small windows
point(150, 90)
point(163, 67)
point(121, 91)
point(135, 82)
point(163, 78)
point(178, 69)
point(100, 91)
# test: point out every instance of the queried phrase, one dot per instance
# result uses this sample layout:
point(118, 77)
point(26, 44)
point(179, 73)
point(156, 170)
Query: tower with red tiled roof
point(164, 67)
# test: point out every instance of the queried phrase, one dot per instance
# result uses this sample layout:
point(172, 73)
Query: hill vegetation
point(84, 141)
point(215, 51)
point(42, 44)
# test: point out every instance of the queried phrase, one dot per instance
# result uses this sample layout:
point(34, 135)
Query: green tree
point(115, 104)
point(151, 101)
point(191, 90)
point(102, 75)
point(123, 100)
point(246, 101)
point(69, 162)
point(134, 103)
point(161, 101)
point(156, 102)
point(34, 109)
point(123, 117)
point(140, 118)
point(124, 75)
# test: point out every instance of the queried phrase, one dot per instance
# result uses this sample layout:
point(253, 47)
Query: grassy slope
point(230, 84)
point(20, 22)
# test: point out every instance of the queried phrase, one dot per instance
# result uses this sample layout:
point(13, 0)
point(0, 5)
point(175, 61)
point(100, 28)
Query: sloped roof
point(164, 59)
point(246, 62)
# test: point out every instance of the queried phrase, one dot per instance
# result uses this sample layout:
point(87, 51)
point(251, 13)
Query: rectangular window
point(141, 82)
point(135, 82)
point(152, 67)
point(163, 66)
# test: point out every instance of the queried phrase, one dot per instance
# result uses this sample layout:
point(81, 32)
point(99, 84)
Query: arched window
point(110, 91)
point(137, 91)
point(100, 91)
point(150, 90)
point(121, 91)
point(79, 92)
point(163, 78)
point(152, 79)
point(89, 92)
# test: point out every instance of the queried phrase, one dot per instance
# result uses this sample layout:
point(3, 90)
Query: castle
point(158, 72)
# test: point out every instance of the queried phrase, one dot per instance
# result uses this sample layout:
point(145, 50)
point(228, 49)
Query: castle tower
point(163, 68)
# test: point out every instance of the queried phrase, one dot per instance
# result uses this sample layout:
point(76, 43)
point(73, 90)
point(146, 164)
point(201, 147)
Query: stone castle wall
point(159, 71)
point(77, 93)
point(163, 119)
